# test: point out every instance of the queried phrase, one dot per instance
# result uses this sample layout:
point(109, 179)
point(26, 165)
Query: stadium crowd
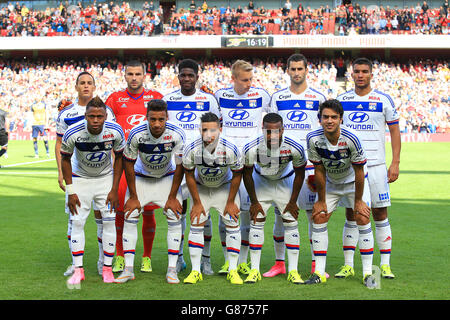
point(420, 89)
point(119, 18)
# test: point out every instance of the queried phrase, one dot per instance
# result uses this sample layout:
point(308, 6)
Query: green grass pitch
point(34, 250)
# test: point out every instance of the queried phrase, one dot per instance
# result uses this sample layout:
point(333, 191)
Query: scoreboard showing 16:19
point(247, 42)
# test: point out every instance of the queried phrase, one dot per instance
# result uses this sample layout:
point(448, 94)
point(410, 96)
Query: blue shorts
point(38, 131)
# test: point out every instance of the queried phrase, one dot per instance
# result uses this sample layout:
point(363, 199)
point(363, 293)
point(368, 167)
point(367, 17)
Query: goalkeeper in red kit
point(129, 107)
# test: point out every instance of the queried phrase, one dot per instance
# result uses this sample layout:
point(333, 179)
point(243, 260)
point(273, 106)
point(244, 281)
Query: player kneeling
point(153, 177)
point(90, 177)
point(273, 175)
point(213, 175)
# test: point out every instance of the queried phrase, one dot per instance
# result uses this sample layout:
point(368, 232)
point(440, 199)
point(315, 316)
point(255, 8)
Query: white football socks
point(383, 237)
point(319, 238)
point(350, 236)
point(196, 244)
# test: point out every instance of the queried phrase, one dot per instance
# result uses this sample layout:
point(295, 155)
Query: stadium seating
point(120, 19)
point(419, 89)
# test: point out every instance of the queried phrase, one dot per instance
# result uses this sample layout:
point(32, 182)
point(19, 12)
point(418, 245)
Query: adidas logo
point(387, 239)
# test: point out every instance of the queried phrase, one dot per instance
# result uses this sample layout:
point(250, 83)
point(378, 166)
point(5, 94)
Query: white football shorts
point(153, 190)
point(379, 186)
point(216, 198)
point(92, 192)
point(344, 194)
point(273, 192)
point(306, 197)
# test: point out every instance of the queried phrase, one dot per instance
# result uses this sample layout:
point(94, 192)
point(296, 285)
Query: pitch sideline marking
point(25, 163)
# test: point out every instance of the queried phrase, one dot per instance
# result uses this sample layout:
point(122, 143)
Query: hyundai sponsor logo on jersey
point(297, 120)
point(358, 121)
point(96, 156)
point(358, 117)
point(297, 116)
point(156, 158)
point(187, 120)
point(236, 119)
point(211, 174)
point(238, 114)
point(136, 119)
point(186, 116)
point(156, 161)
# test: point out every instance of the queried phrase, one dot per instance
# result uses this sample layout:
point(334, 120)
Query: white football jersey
point(74, 113)
point(242, 114)
point(186, 111)
point(336, 159)
point(368, 116)
point(212, 169)
point(92, 153)
point(155, 156)
point(274, 164)
point(299, 111)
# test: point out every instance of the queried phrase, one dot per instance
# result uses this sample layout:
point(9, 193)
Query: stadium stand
point(89, 18)
point(420, 88)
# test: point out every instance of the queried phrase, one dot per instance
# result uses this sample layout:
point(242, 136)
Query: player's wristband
point(69, 189)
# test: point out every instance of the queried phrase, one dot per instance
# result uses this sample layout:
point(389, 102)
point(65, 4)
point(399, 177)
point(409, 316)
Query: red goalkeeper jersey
point(131, 109)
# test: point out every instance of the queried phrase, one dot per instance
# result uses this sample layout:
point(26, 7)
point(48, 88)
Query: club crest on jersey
point(252, 103)
point(309, 104)
point(343, 153)
point(108, 144)
point(168, 147)
point(200, 106)
point(372, 106)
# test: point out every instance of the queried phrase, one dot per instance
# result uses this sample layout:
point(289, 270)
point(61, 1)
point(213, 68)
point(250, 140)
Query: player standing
point(185, 107)
point(129, 107)
point(367, 111)
point(243, 108)
point(153, 170)
point(213, 171)
point(273, 175)
point(340, 175)
point(297, 105)
point(39, 126)
point(69, 115)
point(92, 178)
